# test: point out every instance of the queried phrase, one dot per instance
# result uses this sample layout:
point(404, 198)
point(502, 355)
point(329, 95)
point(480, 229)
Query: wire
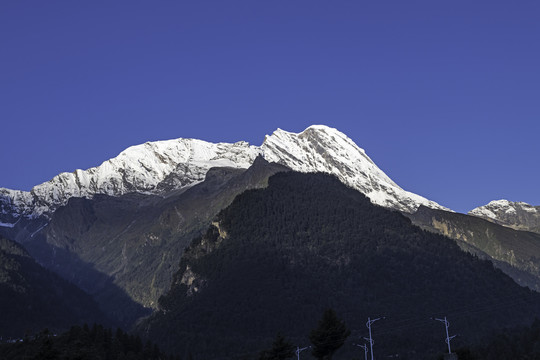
point(413, 322)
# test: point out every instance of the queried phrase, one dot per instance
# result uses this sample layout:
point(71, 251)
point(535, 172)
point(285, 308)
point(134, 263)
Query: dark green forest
point(100, 343)
point(277, 257)
point(83, 343)
point(516, 343)
point(521, 343)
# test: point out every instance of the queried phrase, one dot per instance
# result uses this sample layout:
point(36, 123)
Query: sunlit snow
point(142, 168)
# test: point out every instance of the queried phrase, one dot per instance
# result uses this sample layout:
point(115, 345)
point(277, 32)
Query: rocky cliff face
point(163, 166)
point(516, 215)
point(515, 252)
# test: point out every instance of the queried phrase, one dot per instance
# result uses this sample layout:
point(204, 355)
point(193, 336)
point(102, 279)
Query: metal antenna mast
point(365, 349)
point(448, 338)
point(298, 351)
point(368, 324)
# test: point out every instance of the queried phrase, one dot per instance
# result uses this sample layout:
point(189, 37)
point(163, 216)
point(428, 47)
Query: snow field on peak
point(142, 168)
point(495, 207)
point(324, 149)
point(139, 168)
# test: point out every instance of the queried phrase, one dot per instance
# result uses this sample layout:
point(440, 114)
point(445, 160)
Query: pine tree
point(329, 335)
point(281, 350)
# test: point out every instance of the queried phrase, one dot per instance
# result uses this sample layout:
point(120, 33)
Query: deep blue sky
point(443, 95)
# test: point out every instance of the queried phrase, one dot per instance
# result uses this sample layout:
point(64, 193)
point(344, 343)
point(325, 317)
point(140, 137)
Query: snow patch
point(38, 230)
point(518, 215)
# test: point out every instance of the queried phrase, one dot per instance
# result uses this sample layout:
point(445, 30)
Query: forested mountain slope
point(277, 257)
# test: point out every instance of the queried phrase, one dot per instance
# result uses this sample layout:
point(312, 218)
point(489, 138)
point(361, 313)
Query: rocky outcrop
point(515, 252)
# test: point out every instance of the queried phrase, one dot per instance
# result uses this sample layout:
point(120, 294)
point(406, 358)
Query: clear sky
point(443, 95)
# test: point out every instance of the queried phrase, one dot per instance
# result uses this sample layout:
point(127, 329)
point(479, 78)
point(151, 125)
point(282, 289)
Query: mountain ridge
point(163, 166)
point(516, 215)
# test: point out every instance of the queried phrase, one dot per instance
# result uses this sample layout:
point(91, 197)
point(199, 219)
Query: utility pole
point(448, 338)
point(365, 349)
point(368, 324)
point(298, 351)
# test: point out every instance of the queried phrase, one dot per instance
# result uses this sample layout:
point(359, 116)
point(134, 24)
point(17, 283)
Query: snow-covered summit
point(162, 166)
point(152, 167)
point(320, 148)
point(517, 215)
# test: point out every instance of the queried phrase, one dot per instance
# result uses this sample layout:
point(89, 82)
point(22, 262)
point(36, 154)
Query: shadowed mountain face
point(124, 250)
point(517, 253)
point(277, 257)
point(32, 297)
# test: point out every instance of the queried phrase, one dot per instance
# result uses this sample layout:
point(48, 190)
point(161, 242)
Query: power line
point(365, 349)
point(298, 351)
point(368, 324)
point(446, 325)
point(408, 323)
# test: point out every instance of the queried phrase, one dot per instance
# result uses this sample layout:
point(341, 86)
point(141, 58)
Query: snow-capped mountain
point(517, 215)
point(153, 167)
point(323, 149)
point(161, 166)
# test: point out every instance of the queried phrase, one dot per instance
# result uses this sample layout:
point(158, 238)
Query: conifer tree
point(281, 350)
point(329, 335)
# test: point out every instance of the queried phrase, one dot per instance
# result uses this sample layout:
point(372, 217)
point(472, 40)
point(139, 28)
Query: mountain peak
point(309, 131)
point(320, 148)
point(161, 166)
point(517, 215)
point(324, 129)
